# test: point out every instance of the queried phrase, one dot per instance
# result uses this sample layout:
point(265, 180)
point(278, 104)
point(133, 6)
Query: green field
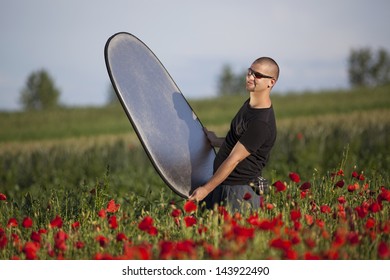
point(72, 161)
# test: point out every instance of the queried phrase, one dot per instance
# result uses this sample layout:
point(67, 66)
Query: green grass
point(215, 112)
point(314, 132)
point(62, 123)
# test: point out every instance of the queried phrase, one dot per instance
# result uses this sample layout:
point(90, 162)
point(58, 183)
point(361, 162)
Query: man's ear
point(271, 83)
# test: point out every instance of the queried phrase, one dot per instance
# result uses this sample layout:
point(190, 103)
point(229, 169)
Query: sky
point(310, 40)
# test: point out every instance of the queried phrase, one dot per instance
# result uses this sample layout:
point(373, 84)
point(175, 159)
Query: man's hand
point(199, 194)
point(213, 138)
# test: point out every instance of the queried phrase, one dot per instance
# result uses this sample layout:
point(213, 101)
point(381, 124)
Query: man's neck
point(260, 100)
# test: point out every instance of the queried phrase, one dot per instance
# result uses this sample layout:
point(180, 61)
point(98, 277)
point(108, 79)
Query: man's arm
point(215, 141)
point(238, 153)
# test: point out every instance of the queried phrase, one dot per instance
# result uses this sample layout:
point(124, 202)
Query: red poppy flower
point(102, 213)
point(266, 224)
point(167, 249)
point(247, 196)
point(311, 256)
point(3, 196)
point(30, 250)
point(279, 243)
point(361, 211)
point(202, 229)
point(375, 207)
point(243, 233)
point(325, 234)
point(121, 237)
point(253, 219)
point(36, 236)
point(112, 207)
point(103, 256)
point(383, 250)
point(146, 223)
point(186, 246)
point(280, 187)
point(341, 211)
point(177, 250)
point(385, 227)
point(79, 245)
point(76, 225)
point(153, 231)
point(353, 238)
point(176, 213)
point(305, 186)
point(290, 254)
point(27, 222)
point(295, 215)
point(112, 222)
point(325, 209)
point(310, 242)
point(224, 213)
point(294, 177)
point(190, 221)
point(340, 184)
point(42, 231)
point(320, 223)
point(103, 241)
point(60, 240)
point(352, 188)
point(15, 238)
point(297, 225)
point(189, 206)
point(338, 173)
point(3, 239)
point(355, 174)
point(295, 239)
point(213, 252)
point(338, 239)
point(309, 219)
point(12, 222)
point(370, 223)
point(341, 200)
point(384, 195)
point(56, 222)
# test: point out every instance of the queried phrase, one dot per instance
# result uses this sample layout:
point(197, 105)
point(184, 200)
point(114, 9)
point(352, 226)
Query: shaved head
point(271, 66)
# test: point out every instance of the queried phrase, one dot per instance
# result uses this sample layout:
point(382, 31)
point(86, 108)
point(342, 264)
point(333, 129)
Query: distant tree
point(381, 68)
point(40, 92)
point(230, 83)
point(368, 69)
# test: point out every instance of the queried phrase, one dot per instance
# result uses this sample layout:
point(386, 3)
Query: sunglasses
point(258, 75)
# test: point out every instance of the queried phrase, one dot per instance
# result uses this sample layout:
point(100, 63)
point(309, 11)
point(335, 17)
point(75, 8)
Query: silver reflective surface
point(167, 127)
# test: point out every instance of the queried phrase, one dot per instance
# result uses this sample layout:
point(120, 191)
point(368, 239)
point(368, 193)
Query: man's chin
point(250, 87)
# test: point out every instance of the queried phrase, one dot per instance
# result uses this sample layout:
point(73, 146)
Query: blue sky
point(310, 40)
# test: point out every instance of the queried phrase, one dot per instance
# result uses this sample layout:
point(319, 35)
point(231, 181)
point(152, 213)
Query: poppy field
point(98, 197)
point(338, 217)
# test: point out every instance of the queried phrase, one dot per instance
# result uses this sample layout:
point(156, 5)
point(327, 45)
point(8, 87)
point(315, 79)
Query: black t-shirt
point(256, 130)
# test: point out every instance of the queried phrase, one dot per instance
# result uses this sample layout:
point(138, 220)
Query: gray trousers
point(237, 198)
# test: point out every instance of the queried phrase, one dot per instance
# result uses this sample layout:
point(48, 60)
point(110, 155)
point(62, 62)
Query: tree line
point(366, 68)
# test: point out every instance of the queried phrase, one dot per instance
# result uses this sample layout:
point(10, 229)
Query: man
point(246, 148)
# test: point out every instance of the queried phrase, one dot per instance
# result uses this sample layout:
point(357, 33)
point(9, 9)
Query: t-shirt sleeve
point(255, 136)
